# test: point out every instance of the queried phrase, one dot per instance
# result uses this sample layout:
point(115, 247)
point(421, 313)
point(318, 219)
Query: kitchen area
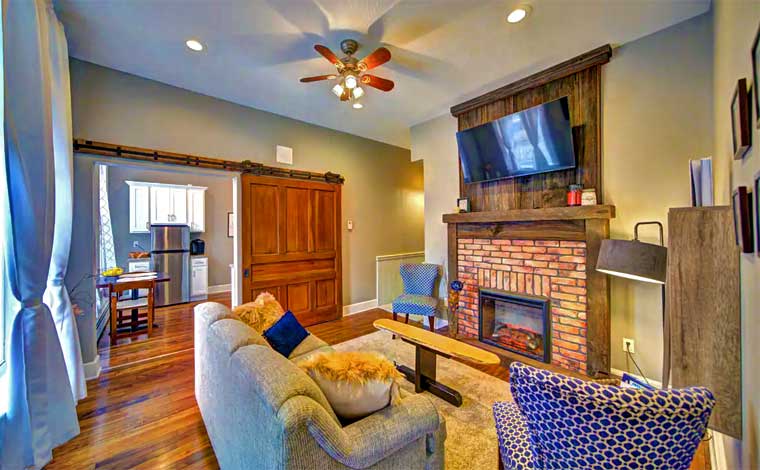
point(167, 221)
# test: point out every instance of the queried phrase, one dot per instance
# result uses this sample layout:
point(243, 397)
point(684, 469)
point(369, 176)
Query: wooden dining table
point(107, 282)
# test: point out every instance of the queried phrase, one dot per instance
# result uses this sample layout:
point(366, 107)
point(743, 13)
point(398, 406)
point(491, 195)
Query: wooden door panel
point(299, 298)
point(265, 215)
point(296, 217)
point(291, 245)
point(324, 221)
point(325, 293)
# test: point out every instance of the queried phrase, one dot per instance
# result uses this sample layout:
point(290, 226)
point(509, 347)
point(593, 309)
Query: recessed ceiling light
point(194, 45)
point(518, 14)
point(358, 106)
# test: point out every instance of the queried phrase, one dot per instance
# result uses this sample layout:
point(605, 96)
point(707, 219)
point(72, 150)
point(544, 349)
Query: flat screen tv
point(535, 140)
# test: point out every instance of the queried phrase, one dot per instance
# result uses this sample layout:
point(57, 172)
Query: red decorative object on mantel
point(575, 195)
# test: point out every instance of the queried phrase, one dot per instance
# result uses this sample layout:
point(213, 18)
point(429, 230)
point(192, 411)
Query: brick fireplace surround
point(548, 268)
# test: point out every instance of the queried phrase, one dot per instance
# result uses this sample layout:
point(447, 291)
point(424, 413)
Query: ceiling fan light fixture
point(519, 13)
point(338, 90)
point(357, 92)
point(351, 81)
point(194, 45)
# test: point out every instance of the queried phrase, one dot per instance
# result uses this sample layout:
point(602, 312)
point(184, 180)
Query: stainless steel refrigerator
point(170, 254)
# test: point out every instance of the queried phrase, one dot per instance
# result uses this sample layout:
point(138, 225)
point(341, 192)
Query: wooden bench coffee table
point(428, 345)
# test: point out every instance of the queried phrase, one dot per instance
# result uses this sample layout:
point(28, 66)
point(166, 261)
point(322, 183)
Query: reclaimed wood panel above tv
point(580, 80)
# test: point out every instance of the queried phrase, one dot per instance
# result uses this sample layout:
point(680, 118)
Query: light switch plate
point(350, 224)
point(284, 155)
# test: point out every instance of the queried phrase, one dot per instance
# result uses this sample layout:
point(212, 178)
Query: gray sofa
point(262, 412)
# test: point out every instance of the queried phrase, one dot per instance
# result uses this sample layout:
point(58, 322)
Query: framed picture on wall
point(230, 224)
point(757, 212)
point(740, 120)
point(756, 76)
point(742, 207)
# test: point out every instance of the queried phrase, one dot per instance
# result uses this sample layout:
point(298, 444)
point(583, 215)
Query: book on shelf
point(701, 179)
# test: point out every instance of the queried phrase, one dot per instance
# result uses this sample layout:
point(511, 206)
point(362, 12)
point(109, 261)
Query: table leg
point(424, 377)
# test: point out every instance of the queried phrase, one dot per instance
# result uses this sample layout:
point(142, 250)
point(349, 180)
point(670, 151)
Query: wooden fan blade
point(377, 82)
point(325, 52)
point(346, 94)
point(317, 78)
point(377, 58)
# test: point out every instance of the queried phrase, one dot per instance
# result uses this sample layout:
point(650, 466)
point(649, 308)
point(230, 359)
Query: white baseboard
point(619, 373)
point(92, 369)
point(219, 289)
point(359, 307)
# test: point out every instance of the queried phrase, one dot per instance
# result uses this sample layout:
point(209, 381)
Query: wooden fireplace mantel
point(531, 215)
point(589, 224)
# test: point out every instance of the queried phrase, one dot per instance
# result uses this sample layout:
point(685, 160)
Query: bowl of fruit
point(113, 272)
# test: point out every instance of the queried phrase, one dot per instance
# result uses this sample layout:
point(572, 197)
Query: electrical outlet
point(135, 244)
point(629, 345)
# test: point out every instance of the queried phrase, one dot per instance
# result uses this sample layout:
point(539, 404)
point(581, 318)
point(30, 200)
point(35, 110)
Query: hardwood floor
point(141, 412)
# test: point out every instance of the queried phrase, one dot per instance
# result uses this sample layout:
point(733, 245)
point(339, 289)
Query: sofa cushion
point(260, 314)
point(286, 334)
point(310, 344)
point(355, 383)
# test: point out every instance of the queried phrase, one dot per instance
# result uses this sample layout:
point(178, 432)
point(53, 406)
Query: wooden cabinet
point(139, 207)
point(703, 300)
point(291, 245)
point(198, 278)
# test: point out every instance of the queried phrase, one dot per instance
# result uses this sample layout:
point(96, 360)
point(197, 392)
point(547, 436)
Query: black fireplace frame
point(528, 300)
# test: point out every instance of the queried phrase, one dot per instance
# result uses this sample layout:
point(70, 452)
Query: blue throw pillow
point(286, 334)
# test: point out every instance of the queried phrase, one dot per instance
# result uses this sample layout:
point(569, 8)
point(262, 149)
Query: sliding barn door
point(291, 245)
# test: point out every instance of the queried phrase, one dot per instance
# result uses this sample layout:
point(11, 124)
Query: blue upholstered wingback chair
point(558, 422)
point(419, 286)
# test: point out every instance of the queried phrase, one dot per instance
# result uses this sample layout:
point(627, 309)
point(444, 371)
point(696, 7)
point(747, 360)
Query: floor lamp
point(646, 262)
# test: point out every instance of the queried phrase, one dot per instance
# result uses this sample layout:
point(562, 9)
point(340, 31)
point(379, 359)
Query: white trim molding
point(219, 289)
point(400, 256)
point(92, 369)
point(359, 307)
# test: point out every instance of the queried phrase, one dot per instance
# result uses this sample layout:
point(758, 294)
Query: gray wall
point(218, 204)
point(383, 192)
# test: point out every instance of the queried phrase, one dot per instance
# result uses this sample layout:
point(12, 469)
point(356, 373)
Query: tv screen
point(536, 140)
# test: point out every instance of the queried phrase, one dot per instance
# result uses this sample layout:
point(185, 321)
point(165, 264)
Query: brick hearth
point(548, 268)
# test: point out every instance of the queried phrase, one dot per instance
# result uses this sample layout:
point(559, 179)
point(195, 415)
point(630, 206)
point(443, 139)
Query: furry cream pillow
point(261, 313)
point(355, 383)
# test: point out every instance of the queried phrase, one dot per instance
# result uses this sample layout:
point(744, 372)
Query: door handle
point(245, 273)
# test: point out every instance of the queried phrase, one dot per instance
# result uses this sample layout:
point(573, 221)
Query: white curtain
point(56, 296)
point(41, 409)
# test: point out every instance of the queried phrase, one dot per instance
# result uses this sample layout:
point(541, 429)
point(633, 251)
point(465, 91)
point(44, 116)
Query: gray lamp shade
point(633, 259)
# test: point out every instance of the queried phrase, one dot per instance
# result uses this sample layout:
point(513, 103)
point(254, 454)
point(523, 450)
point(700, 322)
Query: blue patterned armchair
point(419, 286)
point(558, 422)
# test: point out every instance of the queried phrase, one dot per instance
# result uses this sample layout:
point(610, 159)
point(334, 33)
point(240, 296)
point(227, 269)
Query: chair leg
point(431, 320)
point(395, 317)
point(114, 322)
point(406, 318)
point(501, 462)
point(151, 312)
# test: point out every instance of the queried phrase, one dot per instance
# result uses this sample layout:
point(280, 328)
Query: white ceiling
point(444, 51)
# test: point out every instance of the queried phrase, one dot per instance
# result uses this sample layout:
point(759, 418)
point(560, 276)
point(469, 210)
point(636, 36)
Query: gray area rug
point(471, 441)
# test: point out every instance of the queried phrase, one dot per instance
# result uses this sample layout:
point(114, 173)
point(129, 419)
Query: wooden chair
point(136, 314)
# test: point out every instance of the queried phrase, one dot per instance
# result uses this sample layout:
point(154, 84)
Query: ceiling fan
point(351, 71)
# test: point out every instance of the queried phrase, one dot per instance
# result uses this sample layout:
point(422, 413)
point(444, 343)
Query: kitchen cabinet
point(168, 204)
point(157, 203)
point(139, 207)
point(196, 209)
point(198, 278)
